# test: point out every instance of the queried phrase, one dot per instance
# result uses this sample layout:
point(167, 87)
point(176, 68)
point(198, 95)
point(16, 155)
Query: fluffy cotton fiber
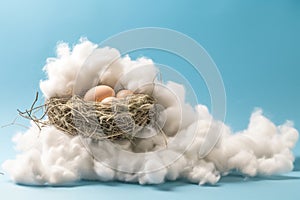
point(50, 157)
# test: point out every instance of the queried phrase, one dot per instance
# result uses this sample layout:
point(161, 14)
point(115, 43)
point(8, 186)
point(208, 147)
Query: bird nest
point(118, 119)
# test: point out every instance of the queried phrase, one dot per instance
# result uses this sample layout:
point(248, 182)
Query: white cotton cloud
point(50, 157)
point(62, 71)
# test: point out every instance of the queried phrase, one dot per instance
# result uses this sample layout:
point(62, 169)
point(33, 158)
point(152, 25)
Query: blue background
point(255, 44)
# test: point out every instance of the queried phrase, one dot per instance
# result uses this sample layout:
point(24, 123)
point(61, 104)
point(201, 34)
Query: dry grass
point(118, 119)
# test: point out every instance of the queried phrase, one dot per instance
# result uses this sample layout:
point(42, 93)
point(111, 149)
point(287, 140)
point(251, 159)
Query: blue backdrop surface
point(255, 44)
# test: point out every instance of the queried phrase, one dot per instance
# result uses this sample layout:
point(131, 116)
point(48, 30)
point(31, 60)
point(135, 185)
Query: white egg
point(108, 100)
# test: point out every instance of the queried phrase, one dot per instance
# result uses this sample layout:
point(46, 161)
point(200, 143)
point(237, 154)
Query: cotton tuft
point(50, 157)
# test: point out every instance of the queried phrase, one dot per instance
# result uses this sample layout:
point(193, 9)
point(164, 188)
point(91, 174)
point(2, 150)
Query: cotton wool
point(50, 157)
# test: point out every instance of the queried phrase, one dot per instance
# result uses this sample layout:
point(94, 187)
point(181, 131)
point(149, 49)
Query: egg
point(108, 100)
point(124, 93)
point(99, 93)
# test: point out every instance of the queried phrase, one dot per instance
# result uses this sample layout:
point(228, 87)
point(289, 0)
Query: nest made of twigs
point(120, 119)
